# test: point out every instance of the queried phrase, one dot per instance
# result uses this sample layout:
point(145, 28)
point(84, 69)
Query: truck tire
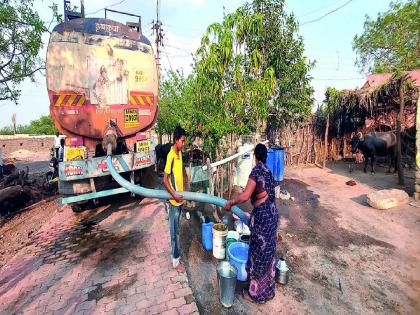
point(80, 207)
point(77, 208)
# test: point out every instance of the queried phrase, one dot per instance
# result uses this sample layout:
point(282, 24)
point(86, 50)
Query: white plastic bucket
point(220, 231)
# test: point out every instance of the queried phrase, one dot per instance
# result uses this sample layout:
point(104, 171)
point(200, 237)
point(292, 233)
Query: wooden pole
point(399, 122)
point(326, 141)
point(307, 144)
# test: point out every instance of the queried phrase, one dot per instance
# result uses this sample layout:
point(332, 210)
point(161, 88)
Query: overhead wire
point(337, 79)
point(319, 9)
point(167, 57)
point(178, 48)
point(108, 6)
point(326, 14)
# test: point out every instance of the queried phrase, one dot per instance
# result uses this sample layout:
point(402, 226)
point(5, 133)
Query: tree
point(232, 87)
point(247, 68)
point(42, 126)
point(332, 98)
point(175, 102)
point(282, 50)
point(391, 42)
point(21, 31)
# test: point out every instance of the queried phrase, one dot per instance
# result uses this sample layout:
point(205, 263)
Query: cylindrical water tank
point(244, 165)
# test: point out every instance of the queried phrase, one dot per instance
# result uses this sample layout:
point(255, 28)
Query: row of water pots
point(233, 246)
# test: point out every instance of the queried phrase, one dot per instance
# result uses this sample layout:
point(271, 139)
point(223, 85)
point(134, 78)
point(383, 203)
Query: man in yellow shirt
point(173, 180)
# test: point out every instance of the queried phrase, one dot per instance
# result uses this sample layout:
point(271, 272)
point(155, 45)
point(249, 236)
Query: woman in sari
point(263, 225)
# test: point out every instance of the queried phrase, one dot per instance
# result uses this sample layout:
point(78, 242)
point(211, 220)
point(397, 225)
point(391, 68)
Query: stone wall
point(37, 144)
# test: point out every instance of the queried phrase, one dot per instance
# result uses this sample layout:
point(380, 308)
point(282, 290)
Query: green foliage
point(232, 86)
point(175, 102)
point(21, 32)
point(332, 99)
point(283, 50)
point(248, 67)
point(42, 126)
point(391, 42)
point(330, 104)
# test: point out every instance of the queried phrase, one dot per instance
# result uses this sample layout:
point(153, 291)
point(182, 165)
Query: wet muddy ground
point(344, 257)
point(112, 259)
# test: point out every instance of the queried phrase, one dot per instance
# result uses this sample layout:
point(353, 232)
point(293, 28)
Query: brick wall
point(38, 144)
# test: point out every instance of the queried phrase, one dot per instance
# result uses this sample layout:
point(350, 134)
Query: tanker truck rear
point(102, 85)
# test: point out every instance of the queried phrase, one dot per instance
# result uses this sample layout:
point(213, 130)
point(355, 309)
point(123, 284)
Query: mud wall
point(38, 144)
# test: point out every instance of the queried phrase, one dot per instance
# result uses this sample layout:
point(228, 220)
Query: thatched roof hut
point(375, 105)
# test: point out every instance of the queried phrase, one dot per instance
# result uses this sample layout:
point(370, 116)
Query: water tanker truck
point(102, 85)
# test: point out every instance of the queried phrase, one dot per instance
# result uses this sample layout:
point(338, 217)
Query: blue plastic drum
point(275, 163)
point(207, 236)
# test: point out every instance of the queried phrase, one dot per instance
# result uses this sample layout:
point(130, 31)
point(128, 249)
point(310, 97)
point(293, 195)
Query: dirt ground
point(380, 180)
point(345, 257)
point(18, 232)
point(23, 155)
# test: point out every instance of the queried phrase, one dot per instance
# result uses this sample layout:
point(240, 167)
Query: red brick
point(38, 144)
point(175, 303)
point(170, 312)
point(141, 289)
point(154, 293)
point(159, 284)
point(143, 304)
point(54, 307)
point(162, 270)
point(165, 297)
point(125, 309)
point(187, 309)
point(171, 273)
point(182, 292)
point(133, 299)
point(154, 277)
point(156, 309)
point(179, 278)
point(173, 287)
point(88, 305)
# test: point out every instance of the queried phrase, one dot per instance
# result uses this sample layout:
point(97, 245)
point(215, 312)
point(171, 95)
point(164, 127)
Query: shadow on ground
point(380, 180)
point(309, 225)
point(68, 245)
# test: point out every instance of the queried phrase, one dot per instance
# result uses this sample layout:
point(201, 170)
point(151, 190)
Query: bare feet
point(247, 297)
point(180, 268)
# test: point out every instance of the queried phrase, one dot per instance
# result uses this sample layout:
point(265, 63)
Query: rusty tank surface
point(102, 85)
point(99, 70)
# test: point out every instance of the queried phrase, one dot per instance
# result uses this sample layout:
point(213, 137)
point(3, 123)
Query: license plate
point(74, 153)
point(143, 146)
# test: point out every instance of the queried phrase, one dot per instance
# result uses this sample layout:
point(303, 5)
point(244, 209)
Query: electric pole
point(158, 32)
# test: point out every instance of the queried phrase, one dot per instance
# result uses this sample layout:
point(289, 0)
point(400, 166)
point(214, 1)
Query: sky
point(327, 41)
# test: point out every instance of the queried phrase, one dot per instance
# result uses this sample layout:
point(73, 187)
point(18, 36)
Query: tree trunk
point(399, 122)
point(307, 144)
point(326, 141)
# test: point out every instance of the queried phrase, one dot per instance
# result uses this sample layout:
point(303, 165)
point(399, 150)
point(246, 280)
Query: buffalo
point(162, 151)
point(382, 144)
